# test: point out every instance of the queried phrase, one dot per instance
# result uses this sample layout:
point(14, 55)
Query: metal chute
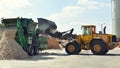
point(9, 22)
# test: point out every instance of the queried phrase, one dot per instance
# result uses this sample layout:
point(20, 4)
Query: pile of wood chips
point(9, 48)
point(53, 43)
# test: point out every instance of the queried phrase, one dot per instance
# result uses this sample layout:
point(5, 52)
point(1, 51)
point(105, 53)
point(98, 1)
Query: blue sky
point(66, 13)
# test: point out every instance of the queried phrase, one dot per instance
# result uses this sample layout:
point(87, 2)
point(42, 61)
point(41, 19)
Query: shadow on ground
point(38, 57)
point(52, 54)
point(100, 55)
point(44, 56)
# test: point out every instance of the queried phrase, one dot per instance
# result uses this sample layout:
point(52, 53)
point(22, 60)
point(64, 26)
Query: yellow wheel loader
point(99, 43)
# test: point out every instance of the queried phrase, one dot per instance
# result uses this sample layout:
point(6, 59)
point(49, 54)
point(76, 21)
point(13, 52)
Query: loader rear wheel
point(72, 48)
point(98, 47)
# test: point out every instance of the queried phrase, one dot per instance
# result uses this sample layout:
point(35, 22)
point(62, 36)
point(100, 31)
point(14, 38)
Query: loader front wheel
point(98, 47)
point(72, 48)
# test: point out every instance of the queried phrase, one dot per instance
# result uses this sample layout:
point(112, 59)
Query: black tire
point(98, 47)
point(76, 47)
point(36, 50)
point(31, 50)
point(106, 51)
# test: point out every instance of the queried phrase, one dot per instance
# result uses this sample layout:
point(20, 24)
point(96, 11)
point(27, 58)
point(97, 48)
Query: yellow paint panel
point(105, 37)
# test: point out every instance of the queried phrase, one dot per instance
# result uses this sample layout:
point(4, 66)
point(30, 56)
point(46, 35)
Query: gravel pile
point(9, 48)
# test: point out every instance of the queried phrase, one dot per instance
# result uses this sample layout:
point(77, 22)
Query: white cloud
point(80, 7)
point(8, 7)
point(29, 14)
point(92, 4)
point(66, 18)
point(67, 12)
point(72, 9)
point(14, 4)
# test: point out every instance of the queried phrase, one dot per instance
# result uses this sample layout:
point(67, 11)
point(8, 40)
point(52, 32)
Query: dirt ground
point(59, 59)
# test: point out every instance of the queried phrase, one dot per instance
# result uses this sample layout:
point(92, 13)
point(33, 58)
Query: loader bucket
point(9, 22)
point(46, 25)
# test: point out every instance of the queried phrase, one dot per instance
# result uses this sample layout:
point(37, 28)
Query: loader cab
point(88, 31)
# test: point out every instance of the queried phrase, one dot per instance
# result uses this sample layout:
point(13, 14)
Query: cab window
point(86, 31)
